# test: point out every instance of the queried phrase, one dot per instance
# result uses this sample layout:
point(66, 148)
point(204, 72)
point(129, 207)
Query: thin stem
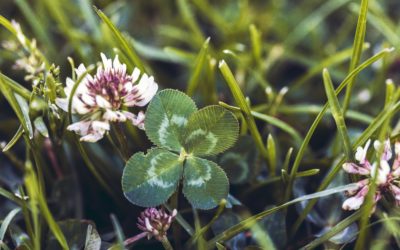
point(122, 141)
point(166, 244)
point(135, 238)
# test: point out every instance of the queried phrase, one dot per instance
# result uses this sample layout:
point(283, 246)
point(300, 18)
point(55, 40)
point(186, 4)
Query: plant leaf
point(205, 184)
point(93, 240)
point(121, 41)
point(166, 116)
point(210, 131)
point(15, 139)
point(6, 222)
point(149, 180)
point(41, 126)
point(19, 105)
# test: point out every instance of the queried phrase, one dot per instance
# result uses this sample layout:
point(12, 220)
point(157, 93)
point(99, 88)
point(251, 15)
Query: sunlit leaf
point(166, 117)
point(210, 131)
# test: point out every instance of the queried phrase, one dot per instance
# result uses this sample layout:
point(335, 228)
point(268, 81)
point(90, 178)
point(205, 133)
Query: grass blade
point(247, 223)
point(121, 42)
point(357, 49)
point(36, 25)
point(337, 112)
point(16, 101)
point(313, 127)
point(312, 21)
point(244, 107)
point(14, 140)
point(16, 87)
point(36, 195)
point(6, 222)
point(368, 132)
point(333, 231)
point(197, 69)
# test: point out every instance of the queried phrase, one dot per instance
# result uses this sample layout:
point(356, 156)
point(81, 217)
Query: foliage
point(174, 123)
point(281, 98)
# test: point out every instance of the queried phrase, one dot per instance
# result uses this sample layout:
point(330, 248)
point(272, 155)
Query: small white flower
point(383, 174)
point(105, 96)
point(361, 153)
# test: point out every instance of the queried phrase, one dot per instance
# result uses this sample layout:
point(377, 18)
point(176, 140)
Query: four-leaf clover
point(183, 135)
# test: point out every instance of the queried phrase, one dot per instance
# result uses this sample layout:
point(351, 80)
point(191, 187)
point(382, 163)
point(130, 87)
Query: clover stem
point(166, 244)
point(135, 238)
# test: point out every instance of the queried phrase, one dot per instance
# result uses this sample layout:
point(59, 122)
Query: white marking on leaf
point(155, 180)
point(213, 141)
point(179, 120)
point(194, 134)
point(201, 180)
point(162, 132)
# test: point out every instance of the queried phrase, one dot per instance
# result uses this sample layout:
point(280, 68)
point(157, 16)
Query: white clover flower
point(104, 97)
point(385, 177)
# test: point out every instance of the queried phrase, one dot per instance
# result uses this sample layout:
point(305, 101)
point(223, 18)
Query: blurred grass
point(275, 50)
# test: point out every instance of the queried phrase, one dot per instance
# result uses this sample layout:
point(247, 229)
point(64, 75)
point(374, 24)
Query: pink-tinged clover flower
point(386, 178)
point(105, 96)
point(155, 222)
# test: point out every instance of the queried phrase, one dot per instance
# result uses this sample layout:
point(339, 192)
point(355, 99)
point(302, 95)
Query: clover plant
point(183, 136)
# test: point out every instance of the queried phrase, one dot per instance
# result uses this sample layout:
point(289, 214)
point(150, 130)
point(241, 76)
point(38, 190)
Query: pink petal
point(353, 168)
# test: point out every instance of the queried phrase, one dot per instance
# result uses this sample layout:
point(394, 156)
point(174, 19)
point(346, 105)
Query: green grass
point(308, 81)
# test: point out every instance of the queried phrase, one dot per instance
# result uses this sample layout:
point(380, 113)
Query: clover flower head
point(104, 97)
point(156, 222)
point(385, 176)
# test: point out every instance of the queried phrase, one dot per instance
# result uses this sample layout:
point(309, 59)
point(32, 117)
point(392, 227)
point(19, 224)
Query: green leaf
point(359, 38)
point(15, 139)
point(337, 112)
point(149, 180)
point(18, 104)
point(250, 221)
point(205, 184)
point(210, 131)
point(166, 116)
point(121, 41)
point(6, 222)
point(198, 68)
point(41, 126)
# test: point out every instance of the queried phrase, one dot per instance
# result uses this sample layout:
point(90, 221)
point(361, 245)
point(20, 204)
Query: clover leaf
point(173, 123)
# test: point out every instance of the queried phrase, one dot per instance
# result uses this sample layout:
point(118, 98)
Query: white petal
point(116, 64)
point(100, 126)
point(361, 153)
point(102, 103)
point(353, 203)
point(88, 99)
point(397, 148)
point(106, 62)
point(80, 70)
point(93, 137)
point(139, 122)
point(114, 116)
point(62, 103)
point(147, 89)
point(135, 74)
point(79, 107)
point(81, 128)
